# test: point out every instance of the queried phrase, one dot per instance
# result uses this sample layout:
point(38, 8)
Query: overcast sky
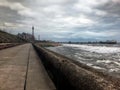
point(63, 20)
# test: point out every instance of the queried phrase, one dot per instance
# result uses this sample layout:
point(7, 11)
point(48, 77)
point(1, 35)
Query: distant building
point(108, 42)
point(26, 36)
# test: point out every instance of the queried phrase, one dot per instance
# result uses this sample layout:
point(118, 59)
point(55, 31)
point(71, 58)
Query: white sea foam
point(97, 49)
point(114, 70)
point(89, 64)
point(96, 67)
point(117, 63)
point(108, 61)
point(104, 61)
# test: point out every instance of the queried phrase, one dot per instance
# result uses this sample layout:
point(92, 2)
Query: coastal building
point(26, 36)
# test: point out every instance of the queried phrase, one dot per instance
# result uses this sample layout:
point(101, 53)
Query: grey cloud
point(8, 15)
point(61, 18)
point(111, 8)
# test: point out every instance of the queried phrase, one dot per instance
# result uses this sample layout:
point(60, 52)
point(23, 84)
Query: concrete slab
point(13, 64)
point(37, 78)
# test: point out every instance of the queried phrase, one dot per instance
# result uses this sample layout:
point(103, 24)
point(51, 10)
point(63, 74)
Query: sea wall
point(69, 76)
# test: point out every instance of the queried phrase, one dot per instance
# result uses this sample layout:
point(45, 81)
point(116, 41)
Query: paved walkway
point(21, 69)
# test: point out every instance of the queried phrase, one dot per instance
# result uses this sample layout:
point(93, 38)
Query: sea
point(103, 57)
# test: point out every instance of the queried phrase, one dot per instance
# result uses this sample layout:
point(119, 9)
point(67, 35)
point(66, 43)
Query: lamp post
point(39, 37)
point(33, 32)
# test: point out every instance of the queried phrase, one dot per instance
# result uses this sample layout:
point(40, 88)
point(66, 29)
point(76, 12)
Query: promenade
point(21, 69)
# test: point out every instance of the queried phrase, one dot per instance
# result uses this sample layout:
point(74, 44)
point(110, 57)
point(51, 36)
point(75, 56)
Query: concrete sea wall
point(68, 75)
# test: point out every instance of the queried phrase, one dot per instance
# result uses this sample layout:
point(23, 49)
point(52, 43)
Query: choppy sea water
point(105, 58)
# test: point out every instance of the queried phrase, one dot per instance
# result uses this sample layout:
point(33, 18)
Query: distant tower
point(33, 32)
point(39, 37)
